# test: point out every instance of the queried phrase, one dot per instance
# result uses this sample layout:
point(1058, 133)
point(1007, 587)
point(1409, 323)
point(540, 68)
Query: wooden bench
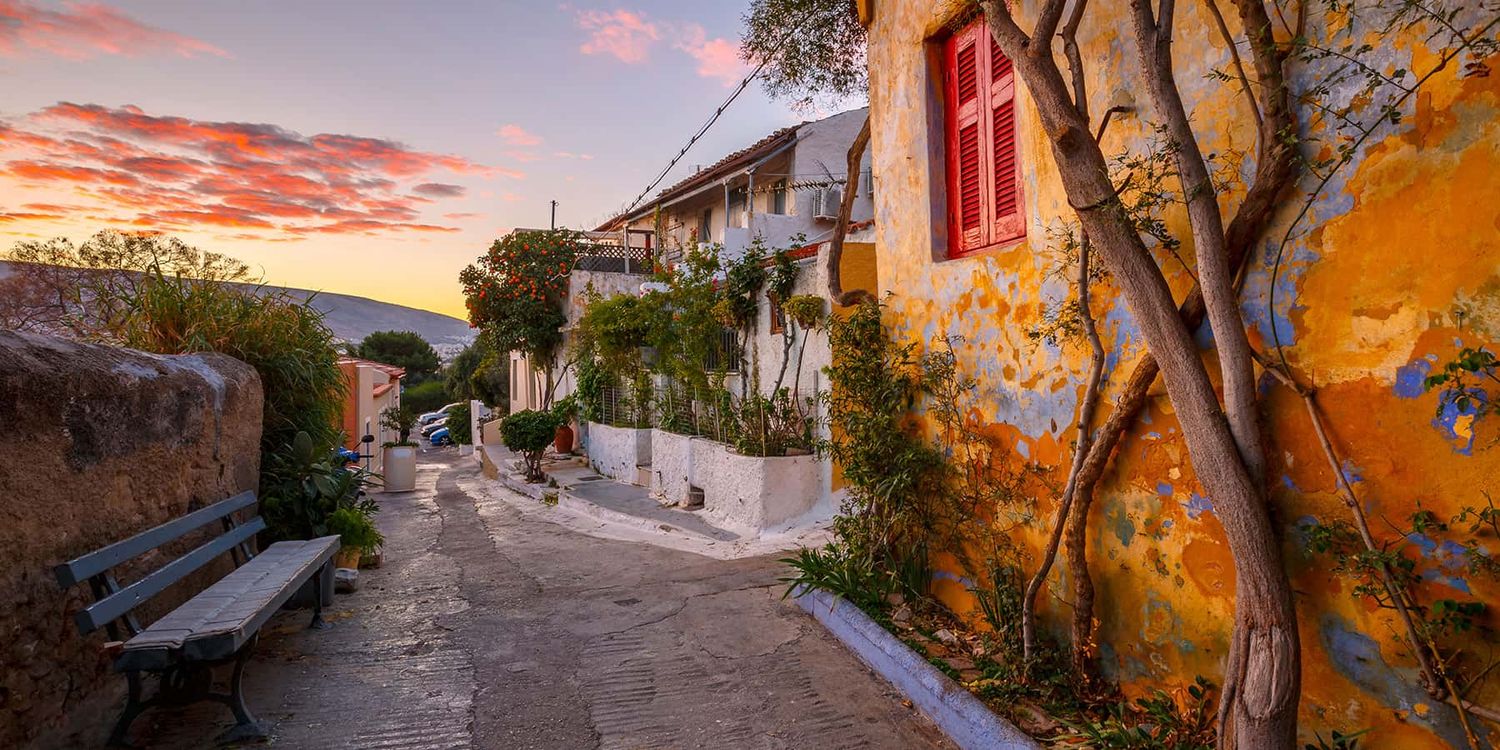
point(218, 626)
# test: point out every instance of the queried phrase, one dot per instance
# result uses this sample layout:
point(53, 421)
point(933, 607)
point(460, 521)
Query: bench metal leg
point(320, 589)
point(246, 726)
point(134, 706)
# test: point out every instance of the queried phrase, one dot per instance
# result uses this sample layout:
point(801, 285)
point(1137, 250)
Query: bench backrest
point(113, 602)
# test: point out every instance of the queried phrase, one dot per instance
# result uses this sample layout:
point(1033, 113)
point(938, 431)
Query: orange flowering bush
point(515, 291)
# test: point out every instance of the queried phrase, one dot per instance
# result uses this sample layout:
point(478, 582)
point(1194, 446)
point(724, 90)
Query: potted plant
point(400, 459)
point(358, 537)
point(565, 410)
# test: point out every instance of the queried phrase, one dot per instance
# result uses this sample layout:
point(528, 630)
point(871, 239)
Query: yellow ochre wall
point(1367, 303)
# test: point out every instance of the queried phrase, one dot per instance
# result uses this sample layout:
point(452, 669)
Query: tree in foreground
point(1258, 705)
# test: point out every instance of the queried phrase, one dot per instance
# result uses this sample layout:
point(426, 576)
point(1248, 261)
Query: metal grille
point(724, 355)
point(622, 406)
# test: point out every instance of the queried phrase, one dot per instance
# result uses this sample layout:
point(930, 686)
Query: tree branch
point(841, 229)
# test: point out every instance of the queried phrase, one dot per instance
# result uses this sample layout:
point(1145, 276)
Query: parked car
point(428, 429)
point(440, 436)
point(434, 416)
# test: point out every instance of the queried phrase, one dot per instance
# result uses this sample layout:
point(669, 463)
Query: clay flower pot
point(562, 441)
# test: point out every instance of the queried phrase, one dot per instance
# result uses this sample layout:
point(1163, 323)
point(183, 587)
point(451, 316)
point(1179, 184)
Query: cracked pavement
point(491, 629)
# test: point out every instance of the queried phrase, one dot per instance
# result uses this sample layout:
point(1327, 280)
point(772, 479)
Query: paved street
point(488, 629)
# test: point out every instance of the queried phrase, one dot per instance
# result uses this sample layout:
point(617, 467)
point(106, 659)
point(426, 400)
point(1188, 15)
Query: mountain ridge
point(352, 317)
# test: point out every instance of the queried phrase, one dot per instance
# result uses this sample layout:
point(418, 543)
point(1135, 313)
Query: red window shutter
point(967, 81)
point(1008, 222)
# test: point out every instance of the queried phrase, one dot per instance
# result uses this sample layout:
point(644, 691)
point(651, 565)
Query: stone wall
point(99, 443)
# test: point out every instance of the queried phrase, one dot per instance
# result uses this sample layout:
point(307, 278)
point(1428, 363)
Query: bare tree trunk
point(1080, 452)
point(1215, 275)
point(1274, 170)
point(836, 291)
point(1265, 661)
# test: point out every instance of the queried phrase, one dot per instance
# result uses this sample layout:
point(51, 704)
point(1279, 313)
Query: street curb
point(566, 500)
point(961, 716)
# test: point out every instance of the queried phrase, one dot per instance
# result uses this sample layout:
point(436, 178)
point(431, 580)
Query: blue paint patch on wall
point(1409, 378)
point(1120, 523)
point(1357, 657)
point(1352, 473)
point(1197, 505)
point(943, 575)
point(1163, 489)
point(1452, 414)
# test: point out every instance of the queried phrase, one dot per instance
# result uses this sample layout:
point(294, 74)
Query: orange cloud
point(178, 173)
point(625, 34)
point(83, 30)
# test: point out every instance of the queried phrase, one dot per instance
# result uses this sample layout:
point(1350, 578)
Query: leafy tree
point(403, 349)
point(479, 373)
point(515, 294)
point(814, 50)
point(424, 397)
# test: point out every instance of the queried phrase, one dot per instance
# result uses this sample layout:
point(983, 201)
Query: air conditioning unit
point(826, 203)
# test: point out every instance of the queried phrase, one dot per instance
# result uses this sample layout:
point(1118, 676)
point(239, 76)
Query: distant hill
point(352, 318)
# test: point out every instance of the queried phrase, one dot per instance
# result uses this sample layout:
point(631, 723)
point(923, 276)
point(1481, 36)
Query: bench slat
point(112, 607)
point(101, 560)
point(218, 622)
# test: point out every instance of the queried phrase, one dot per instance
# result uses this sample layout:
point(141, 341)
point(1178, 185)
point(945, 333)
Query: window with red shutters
point(984, 188)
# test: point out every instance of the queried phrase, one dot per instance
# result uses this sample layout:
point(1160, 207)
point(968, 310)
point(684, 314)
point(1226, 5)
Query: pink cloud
point(515, 135)
point(83, 30)
point(522, 156)
point(717, 58)
point(627, 35)
point(178, 173)
point(571, 155)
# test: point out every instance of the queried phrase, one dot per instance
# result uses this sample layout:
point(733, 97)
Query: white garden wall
point(670, 465)
point(615, 452)
point(749, 493)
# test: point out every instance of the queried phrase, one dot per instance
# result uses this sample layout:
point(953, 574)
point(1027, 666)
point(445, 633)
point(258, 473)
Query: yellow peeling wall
point(1366, 302)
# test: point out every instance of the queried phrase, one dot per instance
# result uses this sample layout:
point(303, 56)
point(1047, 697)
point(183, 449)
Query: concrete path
point(490, 628)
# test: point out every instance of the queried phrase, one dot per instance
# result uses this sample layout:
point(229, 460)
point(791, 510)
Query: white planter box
point(615, 452)
point(400, 468)
point(669, 465)
point(751, 493)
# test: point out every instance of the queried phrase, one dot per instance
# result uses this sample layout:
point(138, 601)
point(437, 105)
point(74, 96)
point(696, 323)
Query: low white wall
point(750, 493)
point(616, 451)
point(669, 465)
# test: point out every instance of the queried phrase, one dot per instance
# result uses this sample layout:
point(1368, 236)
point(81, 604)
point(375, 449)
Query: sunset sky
point(372, 148)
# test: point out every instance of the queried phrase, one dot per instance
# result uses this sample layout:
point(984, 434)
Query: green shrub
point(356, 530)
point(530, 432)
point(283, 338)
point(296, 356)
point(303, 486)
point(458, 425)
point(424, 397)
